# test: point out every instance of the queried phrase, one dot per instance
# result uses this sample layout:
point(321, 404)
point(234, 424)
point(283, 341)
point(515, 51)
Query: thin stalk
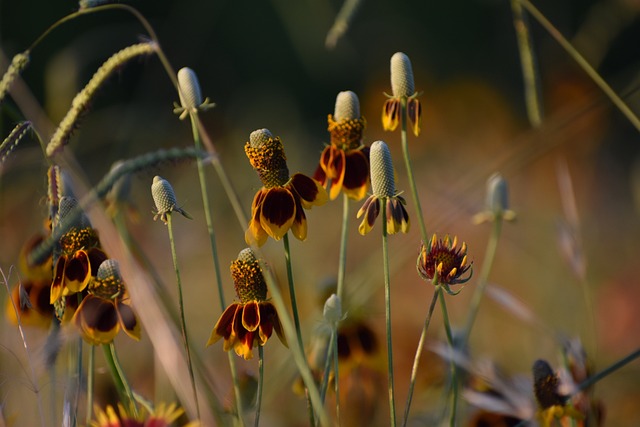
point(528, 65)
point(407, 162)
point(260, 384)
point(119, 378)
point(90, 377)
point(583, 63)
point(183, 323)
point(454, 370)
point(327, 365)
point(216, 263)
point(609, 370)
point(343, 247)
point(335, 376)
point(387, 299)
point(416, 359)
point(490, 254)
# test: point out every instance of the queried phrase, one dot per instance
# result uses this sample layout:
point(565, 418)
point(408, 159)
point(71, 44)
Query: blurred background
point(265, 64)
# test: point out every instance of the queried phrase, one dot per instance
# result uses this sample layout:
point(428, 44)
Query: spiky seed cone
point(190, 94)
point(266, 154)
point(347, 106)
point(382, 181)
point(401, 75)
point(163, 195)
point(260, 137)
point(68, 215)
point(109, 268)
point(247, 277)
point(109, 283)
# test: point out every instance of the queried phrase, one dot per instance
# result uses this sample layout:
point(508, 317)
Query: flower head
point(163, 415)
point(384, 191)
point(190, 94)
point(445, 261)
point(278, 205)
point(252, 320)
point(344, 164)
point(551, 403)
point(165, 199)
point(402, 87)
point(106, 309)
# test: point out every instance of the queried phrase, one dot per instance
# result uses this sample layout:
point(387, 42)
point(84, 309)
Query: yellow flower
point(162, 416)
point(403, 91)
point(278, 205)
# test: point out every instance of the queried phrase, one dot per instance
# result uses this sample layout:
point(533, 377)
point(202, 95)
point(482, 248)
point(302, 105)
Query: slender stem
point(183, 323)
point(416, 359)
point(343, 247)
point(260, 384)
point(490, 254)
point(454, 370)
point(335, 375)
point(327, 364)
point(582, 62)
point(90, 377)
point(528, 65)
point(407, 162)
point(78, 373)
point(119, 379)
point(216, 263)
point(292, 291)
point(387, 299)
point(609, 370)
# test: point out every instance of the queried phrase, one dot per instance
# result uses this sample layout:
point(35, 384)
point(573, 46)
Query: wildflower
point(162, 416)
point(252, 320)
point(278, 205)
point(443, 259)
point(190, 94)
point(384, 189)
point(344, 165)
point(402, 87)
point(551, 403)
point(165, 199)
point(106, 309)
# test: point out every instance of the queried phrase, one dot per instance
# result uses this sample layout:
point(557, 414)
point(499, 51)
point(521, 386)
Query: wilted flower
point(252, 320)
point(278, 205)
point(402, 87)
point(344, 164)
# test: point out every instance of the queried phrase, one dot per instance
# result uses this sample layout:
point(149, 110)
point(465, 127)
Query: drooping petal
point(97, 320)
point(34, 271)
point(77, 272)
point(96, 257)
point(299, 226)
point(337, 168)
point(390, 114)
point(224, 325)
point(321, 173)
point(38, 312)
point(371, 210)
point(269, 312)
point(251, 316)
point(128, 320)
point(397, 217)
point(356, 177)
point(278, 212)
point(414, 111)
point(310, 191)
point(58, 279)
point(255, 233)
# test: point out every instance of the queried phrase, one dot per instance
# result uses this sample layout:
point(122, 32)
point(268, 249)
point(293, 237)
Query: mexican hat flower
point(279, 205)
point(445, 260)
point(162, 415)
point(106, 308)
point(384, 191)
point(403, 94)
point(344, 164)
point(252, 320)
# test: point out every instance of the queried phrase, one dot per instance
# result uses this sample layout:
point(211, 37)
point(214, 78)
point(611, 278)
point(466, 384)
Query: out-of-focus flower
point(497, 201)
point(163, 415)
point(279, 205)
point(402, 87)
point(384, 191)
point(444, 259)
point(252, 320)
point(344, 164)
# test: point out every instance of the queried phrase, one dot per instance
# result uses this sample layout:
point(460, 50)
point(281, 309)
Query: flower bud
point(190, 94)
point(382, 180)
point(401, 75)
point(347, 106)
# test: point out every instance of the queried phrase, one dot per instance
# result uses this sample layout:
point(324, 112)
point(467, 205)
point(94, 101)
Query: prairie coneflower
point(163, 415)
point(279, 205)
point(106, 309)
point(402, 88)
point(344, 164)
point(252, 320)
point(384, 191)
point(446, 260)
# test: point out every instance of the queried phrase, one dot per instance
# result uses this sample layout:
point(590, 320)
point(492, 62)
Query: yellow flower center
point(269, 161)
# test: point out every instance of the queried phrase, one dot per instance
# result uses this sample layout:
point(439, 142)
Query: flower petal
point(299, 226)
point(128, 320)
point(77, 272)
point(414, 111)
point(39, 313)
point(251, 316)
point(356, 177)
point(97, 320)
point(57, 286)
point(320, 174)
point(310, 191)
point(255, 234)
point(278, 212)
point(337, 172)
point(224, 325)
point(390, 114)
point(371, 213)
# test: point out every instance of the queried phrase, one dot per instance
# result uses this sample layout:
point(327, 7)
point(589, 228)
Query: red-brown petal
point(251, 316)
point(224, 325)
point(77, 272)
point(310, 191)
point(278, 212)
point(97, 320)
point(356, 178)
point(128, 320)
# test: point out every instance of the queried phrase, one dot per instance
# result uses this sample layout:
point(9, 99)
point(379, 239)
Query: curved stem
point(343, 247)
point(416, 359)
point(387, 299)
point(260, 383)
point(454, 369)
point(119, 379)
point(407, 162)
point(183, 323)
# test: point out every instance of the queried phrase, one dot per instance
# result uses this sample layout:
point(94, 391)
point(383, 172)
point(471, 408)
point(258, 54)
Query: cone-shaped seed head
point(347, 106)
point(163, 195)
point(259, 137)
point(247, 277)
point(401, 75)
point(332, 311)
point(109, 268)
point(190, 94)
point(382, 181)
point(266, 154)
point(68, 216)
point(497, 194)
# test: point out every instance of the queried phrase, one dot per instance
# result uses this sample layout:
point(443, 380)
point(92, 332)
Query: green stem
point(335, 375)
point(609, 370)
point(416, 359)
point(343, 247)
point(183, 323)
point(582, 62)
point(119, 379)
point(454, 370)
point(387, 299)
point(527, 63)
point(260, 383)
point(90, 377)
point(487, 264)
point(292, 291)
point(327, 364)
point(407, 162)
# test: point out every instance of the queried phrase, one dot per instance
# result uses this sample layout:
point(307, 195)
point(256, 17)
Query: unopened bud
point(401, 75)
point(190, 94)
point(382, 180)
point(347, 106)
point(497, 194)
